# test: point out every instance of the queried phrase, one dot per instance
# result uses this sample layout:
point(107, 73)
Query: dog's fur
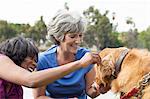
point(135, 65)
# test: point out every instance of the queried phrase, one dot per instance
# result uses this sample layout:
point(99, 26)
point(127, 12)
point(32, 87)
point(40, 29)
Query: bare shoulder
point(4, 60)
point(4, 57)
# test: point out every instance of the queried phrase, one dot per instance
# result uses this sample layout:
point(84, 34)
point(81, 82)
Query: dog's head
point(135, 65)
point(105, 72)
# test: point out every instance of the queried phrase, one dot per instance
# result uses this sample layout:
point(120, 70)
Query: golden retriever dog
point(132, 79)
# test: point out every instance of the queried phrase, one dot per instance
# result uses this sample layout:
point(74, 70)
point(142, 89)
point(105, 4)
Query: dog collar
point(119, 62)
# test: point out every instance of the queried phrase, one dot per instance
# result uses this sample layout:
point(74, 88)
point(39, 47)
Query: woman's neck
point(64, 57)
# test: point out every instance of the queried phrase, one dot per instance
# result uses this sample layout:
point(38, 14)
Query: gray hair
point(65, 22)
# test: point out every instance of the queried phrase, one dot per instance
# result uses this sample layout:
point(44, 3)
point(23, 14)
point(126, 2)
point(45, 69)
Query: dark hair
point(18, 48)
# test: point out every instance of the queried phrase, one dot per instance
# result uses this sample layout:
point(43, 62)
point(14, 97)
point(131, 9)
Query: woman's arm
point(39, 93)
point(15, 74)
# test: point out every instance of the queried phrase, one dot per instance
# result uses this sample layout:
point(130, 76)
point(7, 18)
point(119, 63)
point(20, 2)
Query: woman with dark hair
point(18, 57)
point(17, 49)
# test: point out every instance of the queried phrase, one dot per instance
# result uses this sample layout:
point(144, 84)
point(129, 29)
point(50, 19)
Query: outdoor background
point(28, 95)
point(111, 23)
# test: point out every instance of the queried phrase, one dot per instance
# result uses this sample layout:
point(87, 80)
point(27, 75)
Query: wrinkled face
point(71, 42)
point(29, 64)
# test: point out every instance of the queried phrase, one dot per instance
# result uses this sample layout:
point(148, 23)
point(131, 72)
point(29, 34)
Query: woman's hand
point(90, 58)
point(94, 90)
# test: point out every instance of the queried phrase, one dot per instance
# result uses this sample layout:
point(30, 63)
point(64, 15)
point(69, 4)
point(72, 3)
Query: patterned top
point(15, 92)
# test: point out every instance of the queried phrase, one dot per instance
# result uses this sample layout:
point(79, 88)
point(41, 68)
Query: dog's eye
point(107, 77)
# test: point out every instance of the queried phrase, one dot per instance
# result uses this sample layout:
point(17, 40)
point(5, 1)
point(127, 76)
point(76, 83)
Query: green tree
point(144, 39)
point(99, 30)
point(130, 21)
point(66, 6)
point(21, 28)
point(130, 38)
point(6, 31)
point(39, 30)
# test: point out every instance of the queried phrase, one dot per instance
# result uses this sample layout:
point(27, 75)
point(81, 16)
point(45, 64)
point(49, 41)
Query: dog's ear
point(132, 59)
point(106, 51)
point(102, 54)
point(98, 74)
point(115, 86)
point(145, 63)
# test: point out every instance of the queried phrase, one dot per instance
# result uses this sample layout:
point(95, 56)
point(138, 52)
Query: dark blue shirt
point(71, 85)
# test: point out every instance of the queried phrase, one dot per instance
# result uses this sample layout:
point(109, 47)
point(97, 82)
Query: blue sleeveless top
point(71, 85)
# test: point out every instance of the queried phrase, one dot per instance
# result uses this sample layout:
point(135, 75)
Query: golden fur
point(135, 65)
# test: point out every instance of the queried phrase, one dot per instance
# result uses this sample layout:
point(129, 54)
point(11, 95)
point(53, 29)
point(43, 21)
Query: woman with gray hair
point(66, 31)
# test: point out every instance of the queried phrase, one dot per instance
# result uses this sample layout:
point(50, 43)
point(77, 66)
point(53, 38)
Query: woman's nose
point(34, 64)
point(78, 40)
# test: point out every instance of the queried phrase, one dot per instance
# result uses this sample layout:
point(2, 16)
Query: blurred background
point(111, 23)
point(109, 95)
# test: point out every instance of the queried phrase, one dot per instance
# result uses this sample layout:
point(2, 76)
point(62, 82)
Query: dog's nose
point(103, 89)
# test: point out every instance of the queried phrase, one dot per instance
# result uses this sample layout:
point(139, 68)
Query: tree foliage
point(6, 31)
point(99, 31)
point(39, 30)
point(36, 32)
point(144, 38)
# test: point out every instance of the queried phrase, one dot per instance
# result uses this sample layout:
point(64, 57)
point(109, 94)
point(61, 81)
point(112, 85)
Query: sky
point(29, 11)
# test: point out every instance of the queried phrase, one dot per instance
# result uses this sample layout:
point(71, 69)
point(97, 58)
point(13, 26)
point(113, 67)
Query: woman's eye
point(76, 35)
point(72, 36)
point(80, 35)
